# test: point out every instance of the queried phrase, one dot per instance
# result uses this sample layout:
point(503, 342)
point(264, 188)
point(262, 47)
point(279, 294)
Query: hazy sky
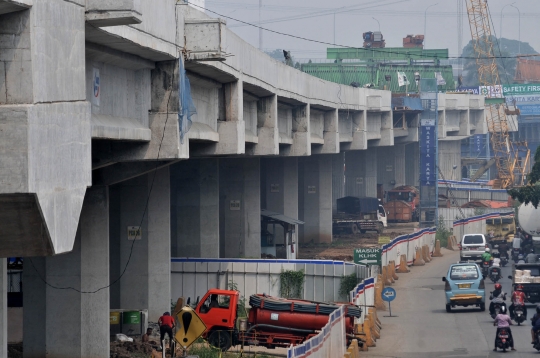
point(353, 17)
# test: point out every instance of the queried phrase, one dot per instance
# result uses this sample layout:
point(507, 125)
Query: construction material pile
point(279, 304)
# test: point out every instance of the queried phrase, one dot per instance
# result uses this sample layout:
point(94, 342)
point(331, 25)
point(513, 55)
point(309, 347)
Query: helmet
point(519, 288)
point(503, 309)
point(532, 251)
point(498, 286)
point(487, 249)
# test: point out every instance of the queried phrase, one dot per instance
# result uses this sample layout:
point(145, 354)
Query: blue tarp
point(186, 106)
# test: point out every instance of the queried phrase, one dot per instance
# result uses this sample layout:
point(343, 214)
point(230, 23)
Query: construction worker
point(166, 325)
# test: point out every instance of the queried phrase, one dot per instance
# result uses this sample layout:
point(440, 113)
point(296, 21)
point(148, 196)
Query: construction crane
point(511, 158)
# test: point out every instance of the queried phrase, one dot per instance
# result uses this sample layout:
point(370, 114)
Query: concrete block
point(205, 39)
point(267, 126)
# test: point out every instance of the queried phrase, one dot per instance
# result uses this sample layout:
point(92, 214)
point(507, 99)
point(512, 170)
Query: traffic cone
point(403, 268)
point(419, 261)
point(437, 251)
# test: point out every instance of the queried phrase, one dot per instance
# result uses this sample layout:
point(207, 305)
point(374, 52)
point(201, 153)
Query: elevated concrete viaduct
point(92, 151)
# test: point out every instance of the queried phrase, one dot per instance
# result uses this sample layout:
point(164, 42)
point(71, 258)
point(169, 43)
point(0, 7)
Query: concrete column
point(412, 164)
point(232, 131)
point(300, 132)
point(240, 208)
point(400, 160)
point(195, 208)
point(145, 283)
point(331, 132)
point(387, 129)
point(338, 179)
point(65, 322)
point(361, 173)
point(3, 308)
point(315, 198)
point(267, 126)
point(279, 191)
point(359, 131)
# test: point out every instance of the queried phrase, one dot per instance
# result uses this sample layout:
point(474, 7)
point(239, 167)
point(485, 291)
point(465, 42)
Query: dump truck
point(503, 229)
point(272, 322)
point(402, 204)
point(355, 215)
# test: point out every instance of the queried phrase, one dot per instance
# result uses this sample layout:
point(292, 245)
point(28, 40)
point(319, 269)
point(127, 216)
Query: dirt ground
point(342, 247)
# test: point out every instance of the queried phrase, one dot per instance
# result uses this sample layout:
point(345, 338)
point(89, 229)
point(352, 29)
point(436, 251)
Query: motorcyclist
point(531, 257)
point(518, 299)
point(535, 323)
point(497, 296)
point(486, 256)
point(503, 321)
point(526, 243)
point(503, 249)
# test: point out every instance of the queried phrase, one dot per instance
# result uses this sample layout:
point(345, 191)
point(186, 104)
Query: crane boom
point(506, 156)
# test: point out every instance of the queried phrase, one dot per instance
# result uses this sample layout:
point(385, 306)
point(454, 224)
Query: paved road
point(424, 329)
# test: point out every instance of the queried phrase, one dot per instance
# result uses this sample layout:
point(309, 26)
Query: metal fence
point(193, 277)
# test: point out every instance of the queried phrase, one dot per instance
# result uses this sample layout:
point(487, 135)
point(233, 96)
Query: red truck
point(272, 322)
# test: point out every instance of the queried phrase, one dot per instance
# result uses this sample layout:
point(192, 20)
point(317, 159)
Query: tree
point(531, 192)
point(507, 66)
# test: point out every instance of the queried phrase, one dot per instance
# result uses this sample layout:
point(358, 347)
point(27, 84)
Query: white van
point(472, 246)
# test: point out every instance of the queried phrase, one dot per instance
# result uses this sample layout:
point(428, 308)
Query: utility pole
point(260, 29)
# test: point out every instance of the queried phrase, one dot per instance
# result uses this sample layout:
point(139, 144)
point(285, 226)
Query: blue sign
point(529, 110)
point(428, 153)
point(388, 294)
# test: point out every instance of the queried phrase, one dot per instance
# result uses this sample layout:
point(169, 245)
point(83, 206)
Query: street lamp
point(377, 23)
point(500, 25)
point(425, 17)
point(519, 33)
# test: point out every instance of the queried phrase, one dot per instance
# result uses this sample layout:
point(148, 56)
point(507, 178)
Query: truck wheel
point(220, 339)
point(354, 229)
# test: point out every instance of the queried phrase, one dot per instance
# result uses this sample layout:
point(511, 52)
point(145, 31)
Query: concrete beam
point(331, 132)
point(7, 6)
point(120, 172)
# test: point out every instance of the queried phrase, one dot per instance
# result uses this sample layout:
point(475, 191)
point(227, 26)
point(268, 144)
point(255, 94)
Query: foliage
point(531, 192)
point(347, 284)
point(507, 66)
point(292, 283)
point(241, 307)
point(442, 232)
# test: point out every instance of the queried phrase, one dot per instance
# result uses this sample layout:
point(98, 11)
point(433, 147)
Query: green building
point(375, 66)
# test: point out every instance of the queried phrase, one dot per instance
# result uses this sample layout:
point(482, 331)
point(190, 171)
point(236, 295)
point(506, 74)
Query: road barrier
point(330, 342)
point(437, 250)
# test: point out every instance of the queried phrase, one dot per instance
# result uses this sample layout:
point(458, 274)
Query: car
point(464, 286)
point(472, 247)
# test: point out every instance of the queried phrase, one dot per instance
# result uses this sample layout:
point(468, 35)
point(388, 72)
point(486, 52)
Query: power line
point(343, 46)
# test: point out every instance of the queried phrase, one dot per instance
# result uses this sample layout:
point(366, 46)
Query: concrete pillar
point(361, 173)
point(232, 131)
point(315, 198)
point(59, 320)
point(195, 208)
point(3, 308)
point(240, 208)
point(300, 132)
point(279, 191)
point(338, 179)
point(145, 283)
point(412, 164)
point(267, 126)
point(400, 160)
point(331, 132)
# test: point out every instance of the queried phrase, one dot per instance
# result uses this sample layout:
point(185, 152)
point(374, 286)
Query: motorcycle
point(496, 310)
point(485, 268)
point(515, 254)
point(495, 274)
point(536, 344)
point(519, 314)
point(503, 339)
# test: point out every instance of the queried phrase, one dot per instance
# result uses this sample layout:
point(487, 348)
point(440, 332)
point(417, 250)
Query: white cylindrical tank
point(529, 219)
